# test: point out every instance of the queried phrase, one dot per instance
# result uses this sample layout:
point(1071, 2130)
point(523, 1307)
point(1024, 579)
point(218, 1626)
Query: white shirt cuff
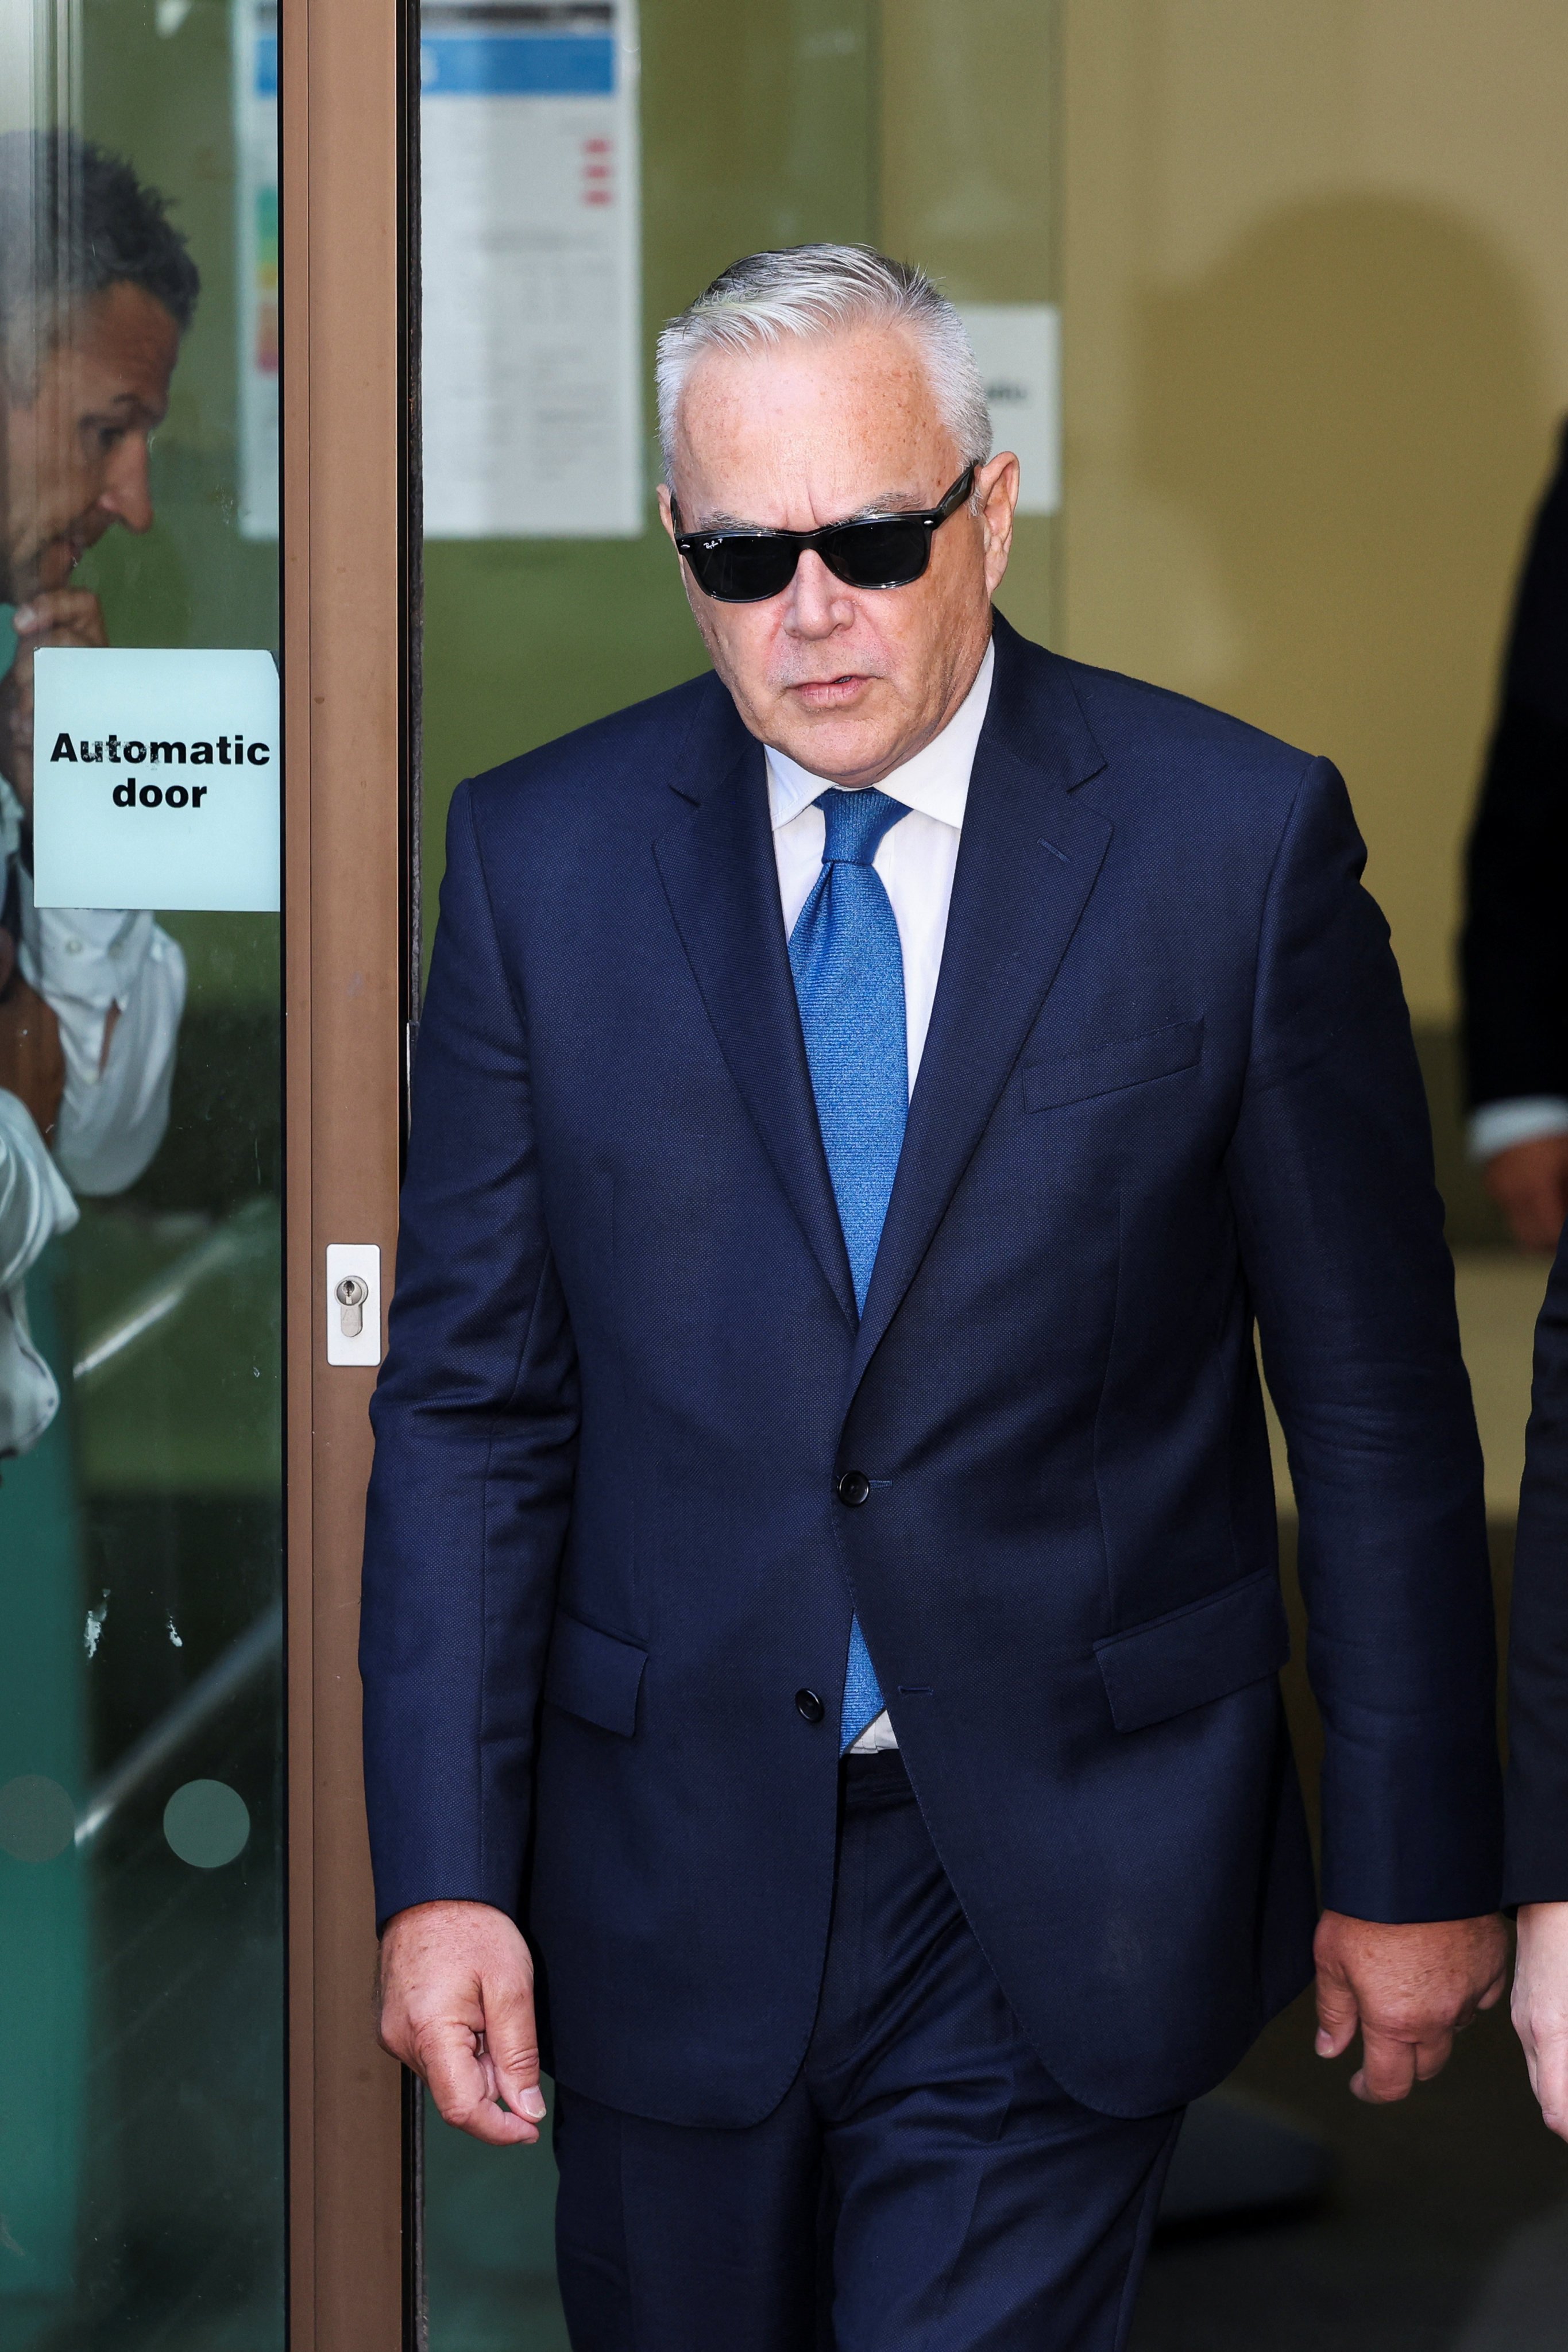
point(1496, 1126)
point(86, 958)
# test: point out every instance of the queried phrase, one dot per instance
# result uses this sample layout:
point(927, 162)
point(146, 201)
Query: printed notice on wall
point(155, 779)
point(531, 278)
point(1019, 348)
point(253, 34)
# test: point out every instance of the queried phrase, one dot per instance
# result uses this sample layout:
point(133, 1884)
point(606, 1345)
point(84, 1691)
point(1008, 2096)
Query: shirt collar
point(935, 782)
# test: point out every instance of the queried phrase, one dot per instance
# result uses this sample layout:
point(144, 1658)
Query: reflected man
point(821, 1585)
point(95, 289)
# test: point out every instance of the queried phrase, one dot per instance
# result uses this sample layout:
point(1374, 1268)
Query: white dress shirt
point(84, 961)
point(113, 1115)
point(35, 1205)
point(916, 861)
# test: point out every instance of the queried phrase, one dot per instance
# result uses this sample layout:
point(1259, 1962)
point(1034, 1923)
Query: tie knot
point(855, 824)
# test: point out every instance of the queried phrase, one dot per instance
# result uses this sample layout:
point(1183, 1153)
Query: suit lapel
point(722, 881)
point(1030, 857)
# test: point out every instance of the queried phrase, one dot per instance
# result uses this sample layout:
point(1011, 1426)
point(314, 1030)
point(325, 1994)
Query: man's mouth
point(829, 693)
point(59, 557)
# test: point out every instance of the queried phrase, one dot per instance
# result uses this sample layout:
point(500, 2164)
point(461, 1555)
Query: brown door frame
point(346, 363)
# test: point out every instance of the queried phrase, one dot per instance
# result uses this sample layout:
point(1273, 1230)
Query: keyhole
point(351, 1294)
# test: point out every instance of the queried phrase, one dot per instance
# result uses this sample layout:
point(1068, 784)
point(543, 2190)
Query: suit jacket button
point(808, 1704)
point(854, 1488)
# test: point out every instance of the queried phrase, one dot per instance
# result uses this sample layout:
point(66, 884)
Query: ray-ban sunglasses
point(746, 567)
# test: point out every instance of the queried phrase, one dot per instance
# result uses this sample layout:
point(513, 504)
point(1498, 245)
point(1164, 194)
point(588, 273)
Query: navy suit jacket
point(1168, 1089)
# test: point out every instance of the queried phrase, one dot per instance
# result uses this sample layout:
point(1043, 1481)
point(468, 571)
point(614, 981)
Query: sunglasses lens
point(888, 554)
point(742, 570)
point(737, 570)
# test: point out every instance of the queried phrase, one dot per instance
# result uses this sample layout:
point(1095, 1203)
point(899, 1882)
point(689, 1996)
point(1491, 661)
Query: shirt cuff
point(1497, 1126)
point(91, 957)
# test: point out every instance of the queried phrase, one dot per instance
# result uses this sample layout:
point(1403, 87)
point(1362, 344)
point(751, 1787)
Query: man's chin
point(836, 746)
point(833, 739)
point(32, 577)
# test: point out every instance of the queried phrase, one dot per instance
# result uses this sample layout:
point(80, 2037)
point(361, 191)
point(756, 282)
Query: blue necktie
point(849, 982)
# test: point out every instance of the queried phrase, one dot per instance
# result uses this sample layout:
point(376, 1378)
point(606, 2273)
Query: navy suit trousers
point(924, 2182)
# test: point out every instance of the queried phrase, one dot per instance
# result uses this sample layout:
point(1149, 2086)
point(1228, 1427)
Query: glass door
point(142, 1982)
point(588, 167)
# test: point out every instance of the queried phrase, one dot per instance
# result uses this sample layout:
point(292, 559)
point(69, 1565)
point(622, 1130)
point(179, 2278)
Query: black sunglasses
point(746, 567)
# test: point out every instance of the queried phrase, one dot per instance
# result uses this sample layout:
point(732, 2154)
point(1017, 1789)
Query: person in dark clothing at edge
point(1515, 946)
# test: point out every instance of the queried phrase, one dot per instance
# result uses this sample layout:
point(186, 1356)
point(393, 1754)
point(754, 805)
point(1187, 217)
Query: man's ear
point(996, 490)
point(665, 510)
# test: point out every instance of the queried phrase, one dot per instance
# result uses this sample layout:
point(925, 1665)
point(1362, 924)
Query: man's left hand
point(1407, 1989)
point(1529, 1181)
point(1540, 2006)
point(56, 616)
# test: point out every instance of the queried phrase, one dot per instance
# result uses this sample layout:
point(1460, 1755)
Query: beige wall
point(1315, 273)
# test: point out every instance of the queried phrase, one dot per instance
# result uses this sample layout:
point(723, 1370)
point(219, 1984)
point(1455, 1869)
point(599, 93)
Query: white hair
point(822, 289)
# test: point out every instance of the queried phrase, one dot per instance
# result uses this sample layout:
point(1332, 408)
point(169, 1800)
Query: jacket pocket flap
point(1196, 1655)
point(1104, 1069)
point(594, 1676)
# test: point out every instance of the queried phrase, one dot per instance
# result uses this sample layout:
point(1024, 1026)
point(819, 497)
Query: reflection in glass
point(141, 1960)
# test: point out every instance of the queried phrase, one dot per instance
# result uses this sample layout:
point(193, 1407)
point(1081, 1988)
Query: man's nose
point(817, 604)
point(127, 492)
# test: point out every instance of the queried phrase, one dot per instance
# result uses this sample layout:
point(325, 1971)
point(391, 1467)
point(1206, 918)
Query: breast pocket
point(1109, 1068)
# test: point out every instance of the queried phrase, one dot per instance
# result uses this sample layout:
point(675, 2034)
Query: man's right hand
point(456, 2005)
point(1529, 1181)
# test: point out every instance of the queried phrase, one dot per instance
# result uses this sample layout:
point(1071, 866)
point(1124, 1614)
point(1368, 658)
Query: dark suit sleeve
point(1514, 950)
point(1537, 1868)
point(1342, 1234)
point(475, 1423)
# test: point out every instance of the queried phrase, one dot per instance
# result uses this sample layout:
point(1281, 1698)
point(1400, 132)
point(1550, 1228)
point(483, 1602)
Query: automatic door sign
point(155, 779)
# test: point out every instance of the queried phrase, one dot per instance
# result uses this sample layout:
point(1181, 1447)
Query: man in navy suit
point(821, 1584)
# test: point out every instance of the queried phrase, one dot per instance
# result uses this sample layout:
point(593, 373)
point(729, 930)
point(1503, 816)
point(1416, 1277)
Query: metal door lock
point(352, 1298)
point(351, 1295)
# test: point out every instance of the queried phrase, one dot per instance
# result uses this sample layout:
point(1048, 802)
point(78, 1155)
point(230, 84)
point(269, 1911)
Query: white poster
point(155, 779)
point(531, 269)
point(1019, 348)
point(253, 34)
